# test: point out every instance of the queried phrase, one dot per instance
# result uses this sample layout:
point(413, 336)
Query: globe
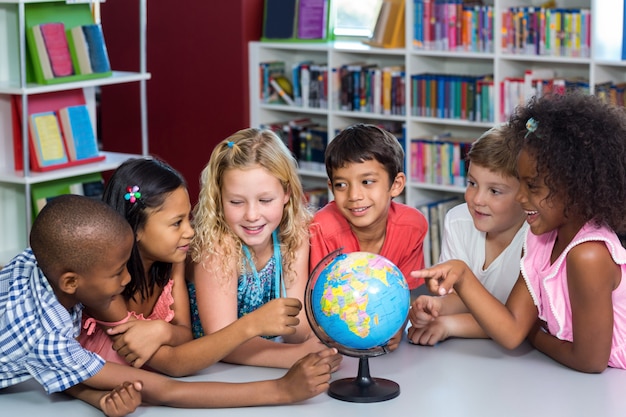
point(357, 302)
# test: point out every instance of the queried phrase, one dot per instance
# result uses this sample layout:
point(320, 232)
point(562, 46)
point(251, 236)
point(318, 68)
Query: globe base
point(363, 388)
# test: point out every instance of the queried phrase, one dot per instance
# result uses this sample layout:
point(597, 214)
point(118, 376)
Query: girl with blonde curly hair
point(251, 244)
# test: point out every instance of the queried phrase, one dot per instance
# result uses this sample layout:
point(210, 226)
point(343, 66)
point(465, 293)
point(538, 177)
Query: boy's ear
point(68, 283)
point(397, 185)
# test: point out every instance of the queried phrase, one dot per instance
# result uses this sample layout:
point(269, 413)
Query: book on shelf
point(52, 50)
point(61, 20)
point(277, 84)
point(89, 185)
point(44, 103)
point(280, 19)
point(389, 27)
point(312, 19)
point(435, 212)
point(79, 50)
point(46, 142)
point(296, 21)
point(98, 55)
point(78, 133)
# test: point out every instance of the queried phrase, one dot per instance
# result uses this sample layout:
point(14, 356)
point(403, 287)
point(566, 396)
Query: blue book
point(78, 133)
point(98, 55)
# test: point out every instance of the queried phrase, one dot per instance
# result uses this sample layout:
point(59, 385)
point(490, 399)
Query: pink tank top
point(94, 338)
point(547, 284)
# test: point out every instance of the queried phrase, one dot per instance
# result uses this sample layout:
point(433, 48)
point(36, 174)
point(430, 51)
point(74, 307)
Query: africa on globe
point(356, 302)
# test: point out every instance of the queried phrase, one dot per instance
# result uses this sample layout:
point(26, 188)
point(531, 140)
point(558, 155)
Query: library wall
point(198, 94)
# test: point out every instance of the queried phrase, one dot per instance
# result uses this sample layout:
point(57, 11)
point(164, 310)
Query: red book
point(54, 38)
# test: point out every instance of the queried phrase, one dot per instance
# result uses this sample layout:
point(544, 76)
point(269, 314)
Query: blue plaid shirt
point(37, 334)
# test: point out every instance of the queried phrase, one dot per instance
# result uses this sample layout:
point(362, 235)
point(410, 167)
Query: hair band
point(132, 194)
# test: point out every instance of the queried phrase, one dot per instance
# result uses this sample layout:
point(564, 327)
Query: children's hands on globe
point(309, 376)
point(277, 317)
point(122, 400)
point(433, 332)
point(442, 277)
point(424, 309)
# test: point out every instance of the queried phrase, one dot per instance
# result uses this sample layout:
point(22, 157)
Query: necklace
point(279, 284)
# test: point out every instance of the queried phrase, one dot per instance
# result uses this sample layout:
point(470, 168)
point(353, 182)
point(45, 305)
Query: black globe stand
point(364, 388)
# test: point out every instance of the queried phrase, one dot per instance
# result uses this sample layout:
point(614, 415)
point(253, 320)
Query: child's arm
point(118, 402)
point(439, 329)
point(508, 325)
point(296, 290)
point(307, 378)
point(278, 317)
point(216, 296)
point(140, 339)
point(592, 275)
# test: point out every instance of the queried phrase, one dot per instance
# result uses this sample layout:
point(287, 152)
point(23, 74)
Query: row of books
point(62, 136)
point(439, 159)
point(370, 88)
point(452, 26)
point(316, 197)
point(465, 97)
point(308, 86)
point(435, 213)
point(547, 31)
point(305, 139)
point(59, 52)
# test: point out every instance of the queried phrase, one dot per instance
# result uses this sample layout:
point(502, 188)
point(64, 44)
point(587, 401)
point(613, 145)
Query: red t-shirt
point(406, 229)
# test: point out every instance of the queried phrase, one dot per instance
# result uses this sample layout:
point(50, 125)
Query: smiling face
point(543, 214)
point(167, 232)
point(253, 201)
point(490, 198)
point(363, 194)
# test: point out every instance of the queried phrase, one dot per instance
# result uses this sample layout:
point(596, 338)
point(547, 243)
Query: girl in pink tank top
point(570, 298)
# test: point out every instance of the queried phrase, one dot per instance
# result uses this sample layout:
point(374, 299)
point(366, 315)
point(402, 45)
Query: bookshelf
point(602, 65)
point(16, 80)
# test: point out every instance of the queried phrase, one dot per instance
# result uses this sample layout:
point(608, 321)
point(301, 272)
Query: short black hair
point(71, 232)
point(364, 142)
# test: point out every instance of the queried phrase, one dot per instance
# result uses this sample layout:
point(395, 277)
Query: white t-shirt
point(461, 240)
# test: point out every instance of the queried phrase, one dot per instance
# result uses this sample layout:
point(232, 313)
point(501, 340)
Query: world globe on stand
point(356, 303)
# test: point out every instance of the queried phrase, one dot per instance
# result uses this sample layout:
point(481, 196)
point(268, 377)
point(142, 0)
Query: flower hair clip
point(132, 194)
point(230, 143)
point(531, 126)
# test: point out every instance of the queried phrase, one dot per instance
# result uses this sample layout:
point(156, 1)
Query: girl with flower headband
point(150, 322)
point(251, 244)
point(570, 298)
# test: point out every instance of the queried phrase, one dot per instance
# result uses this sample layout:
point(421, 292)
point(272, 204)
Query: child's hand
point(435, 331)
point(424, 310)
point(441, 278)
point(122, 400)
point(137, 340)
point(277, 317)
point(309, 376)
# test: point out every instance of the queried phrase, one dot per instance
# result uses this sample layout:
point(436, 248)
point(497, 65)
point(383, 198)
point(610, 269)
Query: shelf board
point(112, 161)
point(436, 187)
point(118, 77)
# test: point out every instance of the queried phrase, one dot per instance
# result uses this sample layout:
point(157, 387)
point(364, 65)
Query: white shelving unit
point(604, 65)
point(15, 186)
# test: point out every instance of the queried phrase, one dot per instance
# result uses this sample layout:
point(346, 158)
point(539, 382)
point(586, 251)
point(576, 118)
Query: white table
point(455, 378)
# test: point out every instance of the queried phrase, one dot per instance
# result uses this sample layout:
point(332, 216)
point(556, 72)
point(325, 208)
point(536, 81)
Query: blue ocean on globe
point(360, 300)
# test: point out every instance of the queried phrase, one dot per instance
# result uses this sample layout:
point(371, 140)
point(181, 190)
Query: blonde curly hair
point(214, 238)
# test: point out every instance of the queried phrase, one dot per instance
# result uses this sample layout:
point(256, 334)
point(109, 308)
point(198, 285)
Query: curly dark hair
point(579, 145)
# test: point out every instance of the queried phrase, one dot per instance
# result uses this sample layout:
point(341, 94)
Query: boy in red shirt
point(364, 167)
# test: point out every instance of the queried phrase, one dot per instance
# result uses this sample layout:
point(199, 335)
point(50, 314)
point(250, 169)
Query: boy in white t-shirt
point(487, 233)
